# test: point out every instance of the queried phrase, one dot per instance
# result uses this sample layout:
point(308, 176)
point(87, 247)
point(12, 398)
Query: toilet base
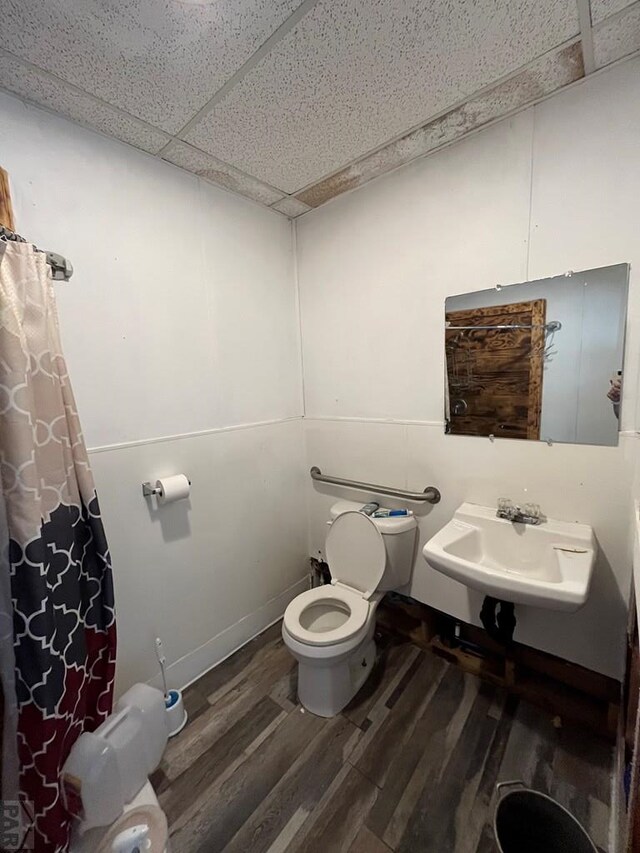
point(326, 690)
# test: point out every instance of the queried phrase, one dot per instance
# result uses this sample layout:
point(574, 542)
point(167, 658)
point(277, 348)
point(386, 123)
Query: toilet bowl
point(330, 629)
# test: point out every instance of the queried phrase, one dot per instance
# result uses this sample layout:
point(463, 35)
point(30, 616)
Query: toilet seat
point(334, 613)
point(338, 597)
point(356, 552)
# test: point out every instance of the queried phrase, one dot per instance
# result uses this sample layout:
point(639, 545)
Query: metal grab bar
point(430, 494)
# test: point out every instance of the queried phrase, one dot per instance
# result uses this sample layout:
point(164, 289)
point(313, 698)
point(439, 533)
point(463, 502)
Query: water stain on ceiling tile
point(291, 102)
point(355, 73)
point(214, 170)
point(553, 71)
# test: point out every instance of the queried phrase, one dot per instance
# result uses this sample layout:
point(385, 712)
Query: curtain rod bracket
point(61, 268)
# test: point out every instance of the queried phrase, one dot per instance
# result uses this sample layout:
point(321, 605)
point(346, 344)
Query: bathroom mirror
point(540, 360)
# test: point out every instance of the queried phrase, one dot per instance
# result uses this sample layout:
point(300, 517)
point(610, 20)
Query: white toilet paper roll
point(173, 488)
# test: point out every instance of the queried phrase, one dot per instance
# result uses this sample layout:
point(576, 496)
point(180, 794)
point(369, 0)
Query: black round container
point(526, 821)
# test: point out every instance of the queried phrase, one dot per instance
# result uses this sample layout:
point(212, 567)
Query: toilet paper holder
point(149, 489)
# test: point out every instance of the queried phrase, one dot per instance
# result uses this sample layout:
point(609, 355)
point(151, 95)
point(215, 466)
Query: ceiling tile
point(601, 9)
point(617, 38)
point(47, 91)
point(542, 77)
point(353, 74)
point(291, 206)
point(214, 170)
point(160, 60)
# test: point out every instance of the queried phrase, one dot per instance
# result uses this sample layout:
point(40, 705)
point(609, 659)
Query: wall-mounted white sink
point(546, 565)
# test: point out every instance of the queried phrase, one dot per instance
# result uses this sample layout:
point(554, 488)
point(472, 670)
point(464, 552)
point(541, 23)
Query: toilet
point(105, 781)
point(329, 629)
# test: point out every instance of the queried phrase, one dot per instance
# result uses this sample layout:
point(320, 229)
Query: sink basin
point(548, 565)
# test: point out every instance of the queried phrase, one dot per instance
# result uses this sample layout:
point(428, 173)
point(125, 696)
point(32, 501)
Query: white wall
point(552, 189)
point(181, 333)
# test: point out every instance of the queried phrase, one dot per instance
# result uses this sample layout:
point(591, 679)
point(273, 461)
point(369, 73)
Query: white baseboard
point(189, 668)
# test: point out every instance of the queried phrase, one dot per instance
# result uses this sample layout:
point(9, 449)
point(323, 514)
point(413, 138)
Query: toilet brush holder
point(176, 713)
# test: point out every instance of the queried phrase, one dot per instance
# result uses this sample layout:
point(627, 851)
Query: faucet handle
point(532, 510)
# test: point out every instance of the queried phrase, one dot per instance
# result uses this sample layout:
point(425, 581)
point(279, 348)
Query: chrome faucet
point(528, 514)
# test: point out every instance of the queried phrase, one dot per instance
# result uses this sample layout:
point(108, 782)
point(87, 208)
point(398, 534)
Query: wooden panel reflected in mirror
point(541, 360)
point(494, 369)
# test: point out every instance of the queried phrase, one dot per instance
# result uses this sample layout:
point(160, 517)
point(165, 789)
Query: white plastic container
point(91, 785)
point(124, 730)
point(151, 704)
point(106, 769)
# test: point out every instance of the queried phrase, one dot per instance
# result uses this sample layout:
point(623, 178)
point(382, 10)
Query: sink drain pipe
point(498, 619)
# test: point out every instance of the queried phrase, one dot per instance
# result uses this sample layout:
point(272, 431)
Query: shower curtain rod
point(551, 326)
point(61, 268)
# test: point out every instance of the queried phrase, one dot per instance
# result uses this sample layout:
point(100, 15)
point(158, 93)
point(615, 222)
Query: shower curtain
point(57, 631)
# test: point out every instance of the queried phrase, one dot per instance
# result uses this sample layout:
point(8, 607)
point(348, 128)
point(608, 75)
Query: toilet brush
point(176, 713)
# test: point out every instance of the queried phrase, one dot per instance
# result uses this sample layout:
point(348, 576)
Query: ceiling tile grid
point(290, 102)
point(601, 9)
point(214, 170)
point(291, 207)
point(546, 75)
point(617, 37)
point(160, 60)
point(45, 90)
point(351, 75)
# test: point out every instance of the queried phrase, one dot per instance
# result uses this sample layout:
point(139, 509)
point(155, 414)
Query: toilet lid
point(355, 552)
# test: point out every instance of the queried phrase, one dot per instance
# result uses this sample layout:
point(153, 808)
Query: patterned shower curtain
point(61, 650)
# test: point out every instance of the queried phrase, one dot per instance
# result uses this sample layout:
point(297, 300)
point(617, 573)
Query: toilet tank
point(399, 537)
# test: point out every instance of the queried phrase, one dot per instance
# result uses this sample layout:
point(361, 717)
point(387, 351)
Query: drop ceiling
point(292, 103)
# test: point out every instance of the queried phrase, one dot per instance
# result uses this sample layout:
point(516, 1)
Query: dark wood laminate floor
point(411, 765)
